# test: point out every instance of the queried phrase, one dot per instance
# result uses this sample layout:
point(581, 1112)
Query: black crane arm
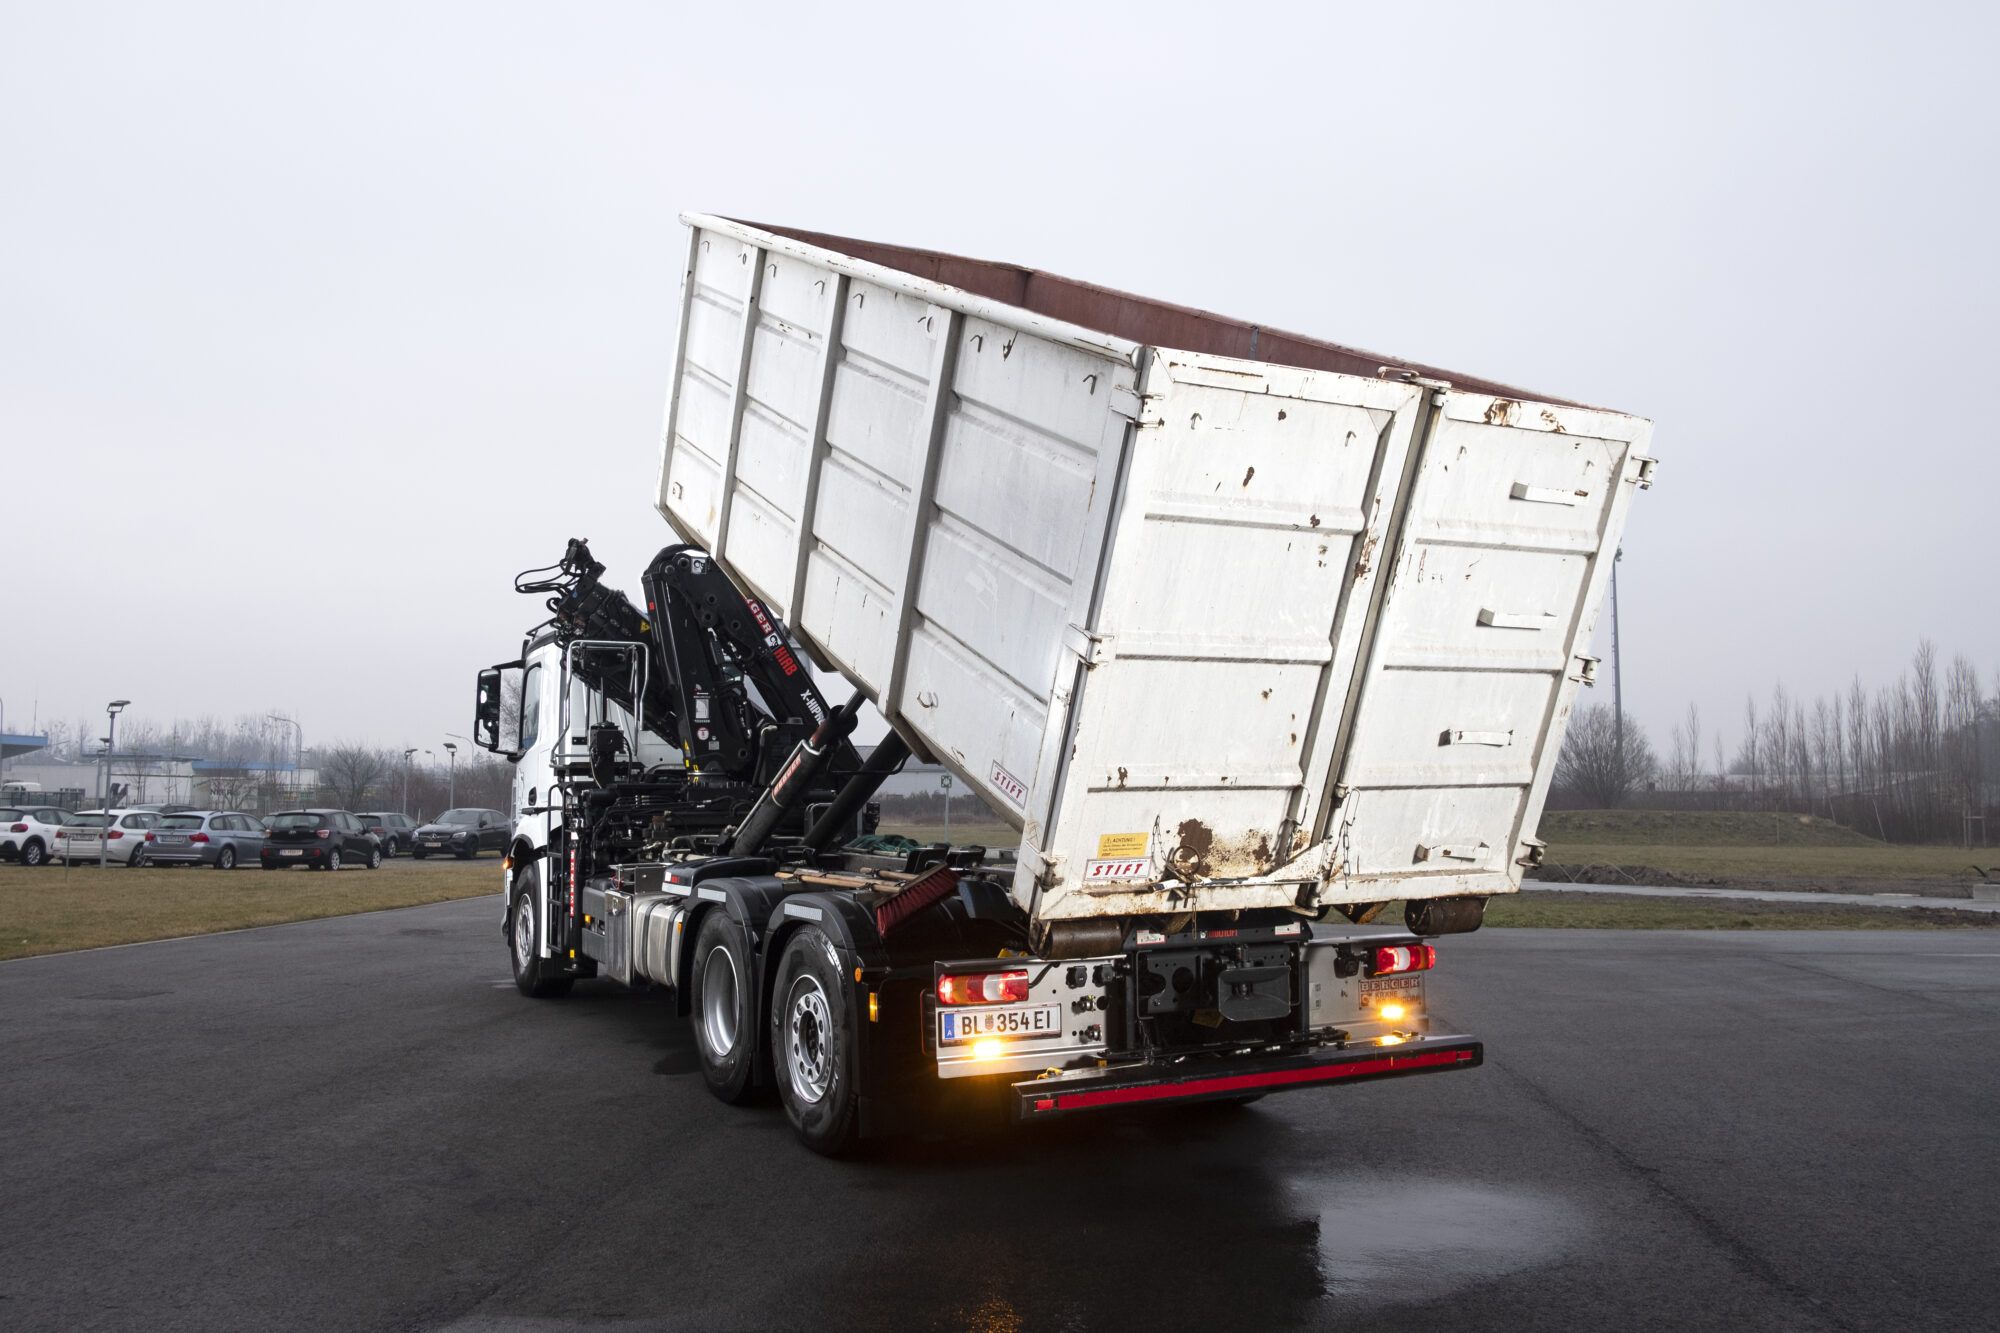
point(709, 642)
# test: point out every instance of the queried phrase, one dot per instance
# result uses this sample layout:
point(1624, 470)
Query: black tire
point(137, 861)
point(418, 853)
point(332, 861)
point(467, 853)
point(534, 976)
point(374, 858)
point(269, 866)
point(722, 1001)
point(33, 853)
point(815, 1057)
point(226, 859)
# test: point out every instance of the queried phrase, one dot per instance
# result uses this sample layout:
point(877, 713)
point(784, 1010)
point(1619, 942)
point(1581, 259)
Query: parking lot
point(357, 1123)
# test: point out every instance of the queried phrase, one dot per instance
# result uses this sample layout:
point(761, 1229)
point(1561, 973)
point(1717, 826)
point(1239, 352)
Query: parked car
point(28, 833)
point(464, 833)
point(397, 832)
point(119, 834)
point(220, 838)
point(321, 839)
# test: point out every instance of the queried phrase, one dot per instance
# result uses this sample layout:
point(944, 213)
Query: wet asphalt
point(358, 1124)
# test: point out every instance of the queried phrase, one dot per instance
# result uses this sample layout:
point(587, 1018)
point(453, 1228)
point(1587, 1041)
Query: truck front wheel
point(534, 975)
point(813, 1044)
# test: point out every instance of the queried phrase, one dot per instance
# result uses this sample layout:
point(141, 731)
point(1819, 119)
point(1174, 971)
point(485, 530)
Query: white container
point(1213, 632)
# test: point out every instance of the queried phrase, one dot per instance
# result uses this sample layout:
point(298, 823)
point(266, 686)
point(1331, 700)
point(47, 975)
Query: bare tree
point(1685, 768)
point(350, 773)
point(1595, 767)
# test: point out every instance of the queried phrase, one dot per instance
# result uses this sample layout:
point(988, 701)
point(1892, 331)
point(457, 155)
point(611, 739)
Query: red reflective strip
point(1154, 1092)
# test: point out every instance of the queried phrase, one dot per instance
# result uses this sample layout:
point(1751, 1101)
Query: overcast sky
point(318, 324)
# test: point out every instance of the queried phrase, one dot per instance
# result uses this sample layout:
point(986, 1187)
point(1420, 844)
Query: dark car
point(321, 839)
point(219, 838)
point(397, 832)
point(463, 833)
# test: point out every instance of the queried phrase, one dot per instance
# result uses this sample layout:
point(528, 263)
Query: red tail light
point(325, 833)
point(1403, 958)
point(149, 837)
point(114, 835)
point(19, 828)
point(62, 833)
point(198, 837)
point(983, 988)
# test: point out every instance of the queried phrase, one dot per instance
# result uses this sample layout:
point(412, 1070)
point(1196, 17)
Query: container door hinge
point(1404, 375)
point(1531, 852)
point(1586, 669)
point(1644, 474)
point(1131, 404)
point(1091, 649)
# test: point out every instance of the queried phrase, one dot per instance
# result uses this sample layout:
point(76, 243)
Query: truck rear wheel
point(813, 1051)
point(723, 1002)
point(534, 976)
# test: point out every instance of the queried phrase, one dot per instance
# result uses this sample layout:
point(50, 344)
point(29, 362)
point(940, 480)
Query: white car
point(28, 832)
point(123, 833)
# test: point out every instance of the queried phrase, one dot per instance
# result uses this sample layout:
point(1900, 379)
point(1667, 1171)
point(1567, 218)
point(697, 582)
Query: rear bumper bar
point(1206, 1080)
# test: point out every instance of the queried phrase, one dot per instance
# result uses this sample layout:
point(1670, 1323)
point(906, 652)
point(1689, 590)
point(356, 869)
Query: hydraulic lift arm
point(712, 647)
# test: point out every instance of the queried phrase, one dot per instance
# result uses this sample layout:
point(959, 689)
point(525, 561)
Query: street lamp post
point(944, 781)
point(1617, 670)
point(406, 779)
point(115, 707)
point(451, 789)
point(299, 751)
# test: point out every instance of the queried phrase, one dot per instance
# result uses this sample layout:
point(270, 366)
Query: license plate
point(1021, 1020)
point(171, 840)
point(291, 851)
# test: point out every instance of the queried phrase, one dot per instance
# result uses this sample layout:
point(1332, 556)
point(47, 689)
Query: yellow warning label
point(1122, 844)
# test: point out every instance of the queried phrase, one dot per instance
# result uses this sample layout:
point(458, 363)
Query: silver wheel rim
point(718, 1001)
point(227, 860)
point(333, 862)
point(524, 936)
point(808, 1027)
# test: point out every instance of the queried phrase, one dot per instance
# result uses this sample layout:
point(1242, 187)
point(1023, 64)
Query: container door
point(1233, 604)
point(1514, 511)
point(919, 487)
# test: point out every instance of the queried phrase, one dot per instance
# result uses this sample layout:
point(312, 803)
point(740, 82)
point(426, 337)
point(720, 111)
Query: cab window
point(531, 706)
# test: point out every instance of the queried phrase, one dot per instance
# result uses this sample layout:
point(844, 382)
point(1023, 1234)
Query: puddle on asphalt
point(1389, 1243)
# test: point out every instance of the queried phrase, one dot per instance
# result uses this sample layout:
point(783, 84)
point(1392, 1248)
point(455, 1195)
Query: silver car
point(224, 839)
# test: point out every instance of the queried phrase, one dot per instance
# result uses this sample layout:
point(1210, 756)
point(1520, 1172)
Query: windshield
point(11, 814)
point(465, 817)
point(296, 819)
point(92, 821)
point(372, 821)
point(181, 821)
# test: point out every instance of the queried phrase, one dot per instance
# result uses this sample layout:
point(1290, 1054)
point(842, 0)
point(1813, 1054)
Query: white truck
point(1249, 635)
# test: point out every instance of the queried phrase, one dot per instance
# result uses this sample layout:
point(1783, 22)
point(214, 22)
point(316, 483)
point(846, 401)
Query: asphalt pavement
point(358, 1124)
point(1799, 897)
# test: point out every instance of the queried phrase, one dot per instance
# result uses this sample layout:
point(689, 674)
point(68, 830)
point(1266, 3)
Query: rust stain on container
point(1197, 841)
point(1549, 418)
point(1249, 473)
point(1367, 560)
point(1203, 855)
point(1501, 413)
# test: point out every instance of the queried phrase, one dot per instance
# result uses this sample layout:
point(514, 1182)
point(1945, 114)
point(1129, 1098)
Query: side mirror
point(488, 703)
